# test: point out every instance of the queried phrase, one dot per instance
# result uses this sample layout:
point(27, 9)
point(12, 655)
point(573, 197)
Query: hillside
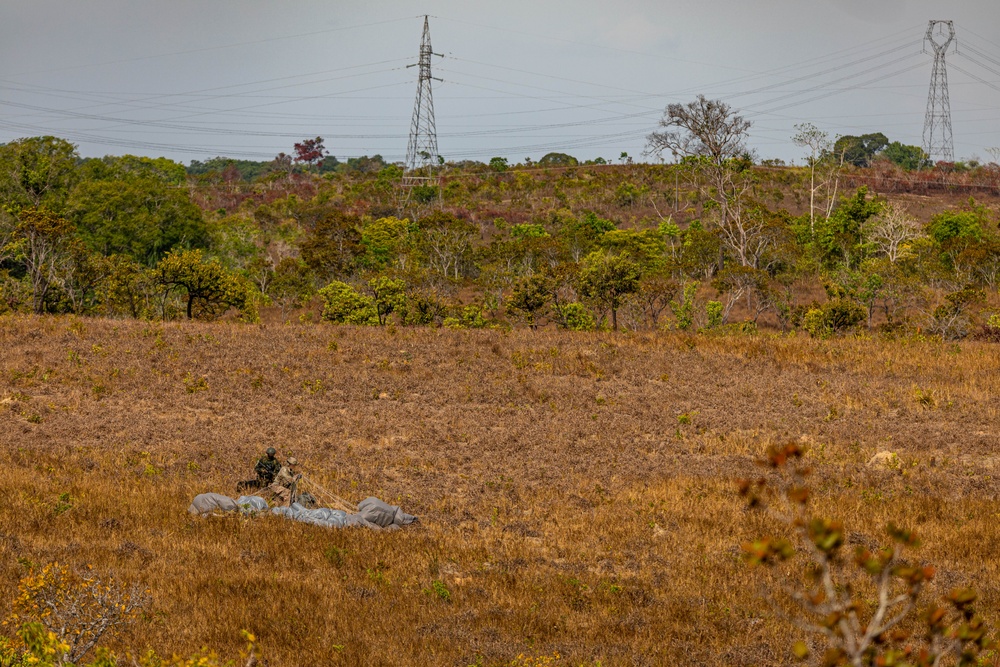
point(828, 248)
point(576, 490)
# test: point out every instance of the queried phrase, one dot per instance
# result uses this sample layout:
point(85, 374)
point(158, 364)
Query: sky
point(194, 79)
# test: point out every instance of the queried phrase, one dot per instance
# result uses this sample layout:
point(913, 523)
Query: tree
point(530, 296)
point(498, 164)
point(128, 289)
point(712, 139)
point(43, 237)
point(609, 279)
point(703, 128)
point(131, 206)
point(842, 235)
point(310, 151)
point(37, 171)
point(291, 283)
point(344, 305)
point(388, 294)
point(333, 243)
point(558, 160)
point(447, 240)
point(907, 157)
point(818, 143)
point(861, 150)
point(891, 232)
point(209, 289)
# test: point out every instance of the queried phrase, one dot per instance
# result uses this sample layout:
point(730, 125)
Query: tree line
point(707, 241)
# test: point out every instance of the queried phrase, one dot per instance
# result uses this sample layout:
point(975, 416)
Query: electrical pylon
point(938, 142)
point(422, 149)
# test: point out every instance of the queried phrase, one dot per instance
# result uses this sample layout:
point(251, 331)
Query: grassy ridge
point(575, 490)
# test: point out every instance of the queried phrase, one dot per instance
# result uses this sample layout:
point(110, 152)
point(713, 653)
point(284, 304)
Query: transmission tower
point(938, 143)
point(422, 150)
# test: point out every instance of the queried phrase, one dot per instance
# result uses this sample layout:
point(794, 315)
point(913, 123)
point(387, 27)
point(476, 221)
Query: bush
point(713, 313)
point(833, 317)
point(471, 317)
point(575, 317)
point(991, 330)
point(863, 608)
point(342, 304)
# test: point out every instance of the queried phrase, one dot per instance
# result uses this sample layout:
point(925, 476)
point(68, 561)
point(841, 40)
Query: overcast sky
point(191, 79)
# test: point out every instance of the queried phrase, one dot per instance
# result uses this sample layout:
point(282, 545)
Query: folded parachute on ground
point(372, 512)
point(210, 503)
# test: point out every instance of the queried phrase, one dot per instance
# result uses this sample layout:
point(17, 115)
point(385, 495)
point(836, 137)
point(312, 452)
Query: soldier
point(283, 489)
point(267, 468)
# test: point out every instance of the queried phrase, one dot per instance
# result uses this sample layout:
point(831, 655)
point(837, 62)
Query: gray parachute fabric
point(383, 514)
point(323, 517)
point(251, 504)
point(209, 503)
point(372, 512)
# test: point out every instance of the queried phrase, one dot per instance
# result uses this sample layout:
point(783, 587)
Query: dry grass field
point(576, 491)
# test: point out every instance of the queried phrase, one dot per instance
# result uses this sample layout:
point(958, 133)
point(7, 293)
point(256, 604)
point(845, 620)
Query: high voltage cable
point(214, 48)
point(830, 70)
point(977, 78)
point(837, 92)
point(349, 76)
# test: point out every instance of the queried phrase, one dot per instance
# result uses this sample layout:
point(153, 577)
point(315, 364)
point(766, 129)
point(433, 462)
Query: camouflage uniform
point(283, 488)
point(267, 469)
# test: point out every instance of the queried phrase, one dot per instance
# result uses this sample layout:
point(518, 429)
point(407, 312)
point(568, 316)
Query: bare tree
point(703, 128)
point(891, 232)
point(824, 168)
point(713, 139)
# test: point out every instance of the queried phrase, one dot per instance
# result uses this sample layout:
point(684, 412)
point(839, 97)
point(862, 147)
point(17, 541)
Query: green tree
point(291, 284)
point(609, 279)
point(529, 298)
point(907, 157)
point(43, 238)
point(37, 171)
point(133, 208)
point(558, 160)
point(384, 241)
point(388, 294)
point(128, 289)
point(860, 150)
point(333, 243)
point(207, 287)
point(841, 237)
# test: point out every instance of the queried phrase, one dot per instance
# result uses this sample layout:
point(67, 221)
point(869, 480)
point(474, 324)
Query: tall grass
point(566, 506)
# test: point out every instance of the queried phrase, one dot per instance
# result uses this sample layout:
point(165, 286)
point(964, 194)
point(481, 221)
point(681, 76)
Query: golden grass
point(575, 490)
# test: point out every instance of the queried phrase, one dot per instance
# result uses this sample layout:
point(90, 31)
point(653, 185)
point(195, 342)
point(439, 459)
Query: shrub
point(684, 309)
point(575, 316)
point(861, 622)
point(713, 313)
point(952, 319)
point(342, 304)
point(832, 317)
point(471, 317)
point(64, 614)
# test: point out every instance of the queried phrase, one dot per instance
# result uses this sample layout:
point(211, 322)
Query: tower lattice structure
point(422, 149)
point(938, 142)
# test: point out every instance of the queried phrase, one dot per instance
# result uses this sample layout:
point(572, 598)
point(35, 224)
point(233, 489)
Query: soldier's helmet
point(292, 461)
point(271, 451)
